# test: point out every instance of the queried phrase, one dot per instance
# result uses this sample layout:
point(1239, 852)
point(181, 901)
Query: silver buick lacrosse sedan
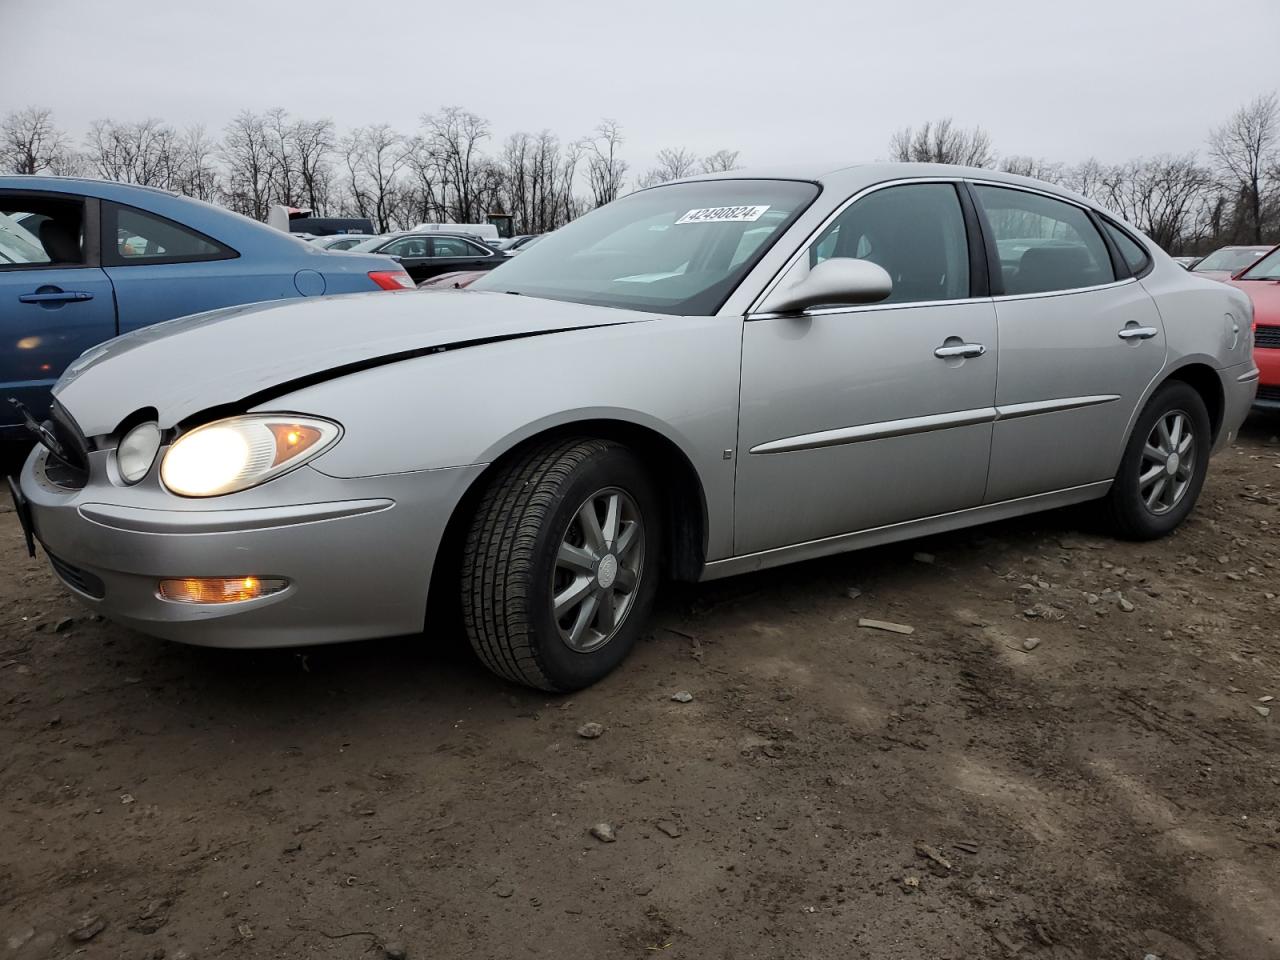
point(703, 378)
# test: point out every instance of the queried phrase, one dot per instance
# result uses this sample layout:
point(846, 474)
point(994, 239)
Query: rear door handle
point(949, 350)
point(1137, 333)
point(56, 296)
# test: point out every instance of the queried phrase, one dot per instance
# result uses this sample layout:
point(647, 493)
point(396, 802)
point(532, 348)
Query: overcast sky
point(822, 79)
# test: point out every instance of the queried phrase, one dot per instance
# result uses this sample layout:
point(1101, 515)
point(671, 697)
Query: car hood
point(1212, 274)
point(1265, 295)
point(208, 360)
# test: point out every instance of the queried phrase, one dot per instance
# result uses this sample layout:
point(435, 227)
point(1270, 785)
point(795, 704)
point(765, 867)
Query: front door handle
point(1137, 333)
point(56, 296)
point(949, 350)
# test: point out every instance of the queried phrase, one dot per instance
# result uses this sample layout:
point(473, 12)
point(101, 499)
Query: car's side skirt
point(889, 533)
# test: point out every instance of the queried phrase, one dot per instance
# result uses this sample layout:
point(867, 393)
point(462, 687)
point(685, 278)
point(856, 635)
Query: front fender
point(677, 376)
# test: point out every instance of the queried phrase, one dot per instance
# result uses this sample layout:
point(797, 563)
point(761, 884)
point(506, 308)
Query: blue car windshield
point(678, 249)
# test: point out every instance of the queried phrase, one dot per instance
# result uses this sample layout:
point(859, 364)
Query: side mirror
point(840, 280)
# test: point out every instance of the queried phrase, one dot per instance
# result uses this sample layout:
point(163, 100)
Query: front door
point(55, 302)
point(1079, 344)
point(857, 417)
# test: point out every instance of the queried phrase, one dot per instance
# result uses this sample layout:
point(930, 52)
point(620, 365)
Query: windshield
point(1268, 268)
point(1230, 260)
point(678, 249)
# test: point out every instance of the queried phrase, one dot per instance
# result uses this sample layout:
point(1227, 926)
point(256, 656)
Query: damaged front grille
point(68, 465)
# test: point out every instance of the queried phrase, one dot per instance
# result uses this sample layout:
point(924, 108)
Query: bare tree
point(373, 157)
point(30, 142)
point(722, 161)
point(673, 163)
point(1245, 152)
point(605, 169)
point(313, 142)
point(1035, 167)
point(453, 137)
point(146, 152)
point(247, 155)
point(1166, 197)
point(941, 141)
point(282, 166)
point(197, 175)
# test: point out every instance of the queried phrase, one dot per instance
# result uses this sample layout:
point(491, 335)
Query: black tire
point(1127, 511)
point(509, 565)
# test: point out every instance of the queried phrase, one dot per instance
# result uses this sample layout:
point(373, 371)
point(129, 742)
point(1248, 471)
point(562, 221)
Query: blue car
point(82, 261)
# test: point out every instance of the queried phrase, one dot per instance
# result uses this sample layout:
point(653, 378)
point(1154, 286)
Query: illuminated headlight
point(241, 452)
point(137, 451)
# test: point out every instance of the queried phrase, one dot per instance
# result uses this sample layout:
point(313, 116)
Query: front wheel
point(1164, 465)
point(560, 565)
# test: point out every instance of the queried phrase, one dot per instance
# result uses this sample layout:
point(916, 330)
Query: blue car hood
point(208, 360)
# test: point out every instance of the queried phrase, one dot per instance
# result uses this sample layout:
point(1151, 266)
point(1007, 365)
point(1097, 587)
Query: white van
point(481, 231)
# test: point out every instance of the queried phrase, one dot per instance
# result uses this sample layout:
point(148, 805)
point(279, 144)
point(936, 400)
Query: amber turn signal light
point(220, 589)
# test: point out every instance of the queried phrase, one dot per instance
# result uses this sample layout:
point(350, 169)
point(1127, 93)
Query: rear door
point(162, 269)
point(456, 253)
point(1080, 340)
point(55, 301)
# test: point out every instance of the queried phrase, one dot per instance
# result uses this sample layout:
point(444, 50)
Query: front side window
point(1268, 268)
point(679, 249)
point(1044, 244)
point(915, 232)
point(40, 231)
point(135, 236)
point(406, 247)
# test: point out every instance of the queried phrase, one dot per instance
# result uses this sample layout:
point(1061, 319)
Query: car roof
point(246, 235)
point(847, 178)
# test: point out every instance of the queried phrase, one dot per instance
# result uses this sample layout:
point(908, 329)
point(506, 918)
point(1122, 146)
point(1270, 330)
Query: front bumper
point(357, 553)
point(1268, 361)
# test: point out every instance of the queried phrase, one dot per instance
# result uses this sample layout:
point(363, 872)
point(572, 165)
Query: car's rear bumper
point(357, 554)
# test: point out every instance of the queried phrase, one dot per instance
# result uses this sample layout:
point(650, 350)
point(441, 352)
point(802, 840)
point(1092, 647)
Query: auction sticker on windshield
point(724, 214)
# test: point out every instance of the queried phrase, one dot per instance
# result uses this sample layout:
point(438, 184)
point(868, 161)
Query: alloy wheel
point(1168, 462)
point(597, 570)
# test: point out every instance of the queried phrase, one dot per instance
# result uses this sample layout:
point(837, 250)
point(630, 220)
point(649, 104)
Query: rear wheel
point(560, 565)
point(1164, 465)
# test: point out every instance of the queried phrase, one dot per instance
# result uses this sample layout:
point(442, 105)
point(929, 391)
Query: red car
point(1261, 282)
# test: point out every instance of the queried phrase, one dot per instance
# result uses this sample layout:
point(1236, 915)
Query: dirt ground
point(829, 791)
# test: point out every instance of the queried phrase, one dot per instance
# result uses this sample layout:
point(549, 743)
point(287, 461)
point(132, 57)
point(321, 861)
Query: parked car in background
point(426, 255)
point(341, 241)
point(457, 280)
point(703, 378)
point(1226, 262)
point(82, 261)
point(516, 244)
point(486, 233)
point(1186, 263)
point(1261, 282)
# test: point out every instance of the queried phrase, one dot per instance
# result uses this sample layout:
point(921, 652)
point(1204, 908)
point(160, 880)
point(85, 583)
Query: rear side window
point(131, 236)
point(915, 231)
point(406, 247)
point(1043, 244)
point(1131, 251)
point(455, 247)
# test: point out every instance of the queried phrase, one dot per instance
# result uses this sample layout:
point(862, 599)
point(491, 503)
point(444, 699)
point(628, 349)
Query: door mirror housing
point(837, 281)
